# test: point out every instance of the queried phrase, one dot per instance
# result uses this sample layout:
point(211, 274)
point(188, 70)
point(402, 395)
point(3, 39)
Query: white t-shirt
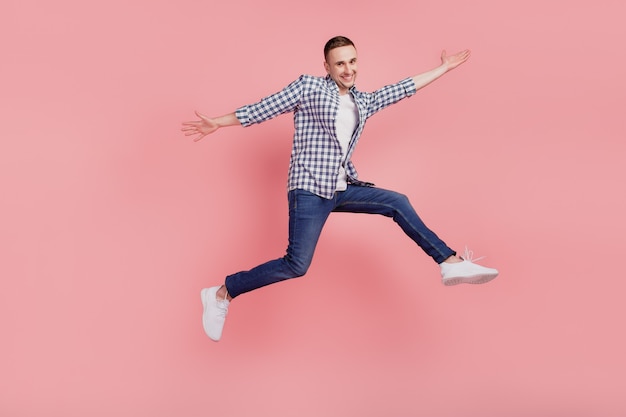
point(347, 119)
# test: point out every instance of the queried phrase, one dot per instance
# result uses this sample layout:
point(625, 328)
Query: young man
point(329, 115)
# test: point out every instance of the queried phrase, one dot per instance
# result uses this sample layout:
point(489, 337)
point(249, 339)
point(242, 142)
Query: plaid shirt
point(316, 154)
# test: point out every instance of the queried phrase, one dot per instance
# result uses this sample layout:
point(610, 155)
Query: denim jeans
point(307, 215)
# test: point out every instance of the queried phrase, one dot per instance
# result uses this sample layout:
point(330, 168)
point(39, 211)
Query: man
point(329, 115)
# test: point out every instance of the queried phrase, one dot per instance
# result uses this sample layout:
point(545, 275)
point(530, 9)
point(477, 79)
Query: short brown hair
point(336, 42)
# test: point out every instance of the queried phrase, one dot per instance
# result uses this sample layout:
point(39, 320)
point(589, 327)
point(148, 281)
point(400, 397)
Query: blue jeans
point(308, 213)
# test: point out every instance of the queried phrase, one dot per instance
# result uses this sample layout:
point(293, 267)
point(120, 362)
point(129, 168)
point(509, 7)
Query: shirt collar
point(333, 85)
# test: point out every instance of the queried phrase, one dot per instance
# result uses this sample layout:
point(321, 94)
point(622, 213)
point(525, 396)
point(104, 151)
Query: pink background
point(112, 221)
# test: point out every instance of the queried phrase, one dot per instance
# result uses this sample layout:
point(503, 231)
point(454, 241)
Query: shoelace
point(223, 309)
point(222, 305)
point(469, 256)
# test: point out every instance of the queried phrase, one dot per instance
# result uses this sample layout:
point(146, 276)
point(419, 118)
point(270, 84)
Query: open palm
point(201, 128)
point(453, 61)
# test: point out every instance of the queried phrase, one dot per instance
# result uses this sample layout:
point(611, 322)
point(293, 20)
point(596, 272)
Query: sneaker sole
point(477, 279)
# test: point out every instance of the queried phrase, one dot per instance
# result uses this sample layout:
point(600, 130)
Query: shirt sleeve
point(390, 94)
point(284, 101)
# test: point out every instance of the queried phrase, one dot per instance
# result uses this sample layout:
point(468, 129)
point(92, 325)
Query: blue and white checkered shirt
point(316, 154)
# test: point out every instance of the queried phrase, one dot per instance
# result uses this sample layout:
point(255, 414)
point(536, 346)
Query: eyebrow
point(343, 62)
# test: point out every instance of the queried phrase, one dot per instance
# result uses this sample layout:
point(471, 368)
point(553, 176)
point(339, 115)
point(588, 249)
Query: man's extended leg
point(372, 200)
point(454, 270)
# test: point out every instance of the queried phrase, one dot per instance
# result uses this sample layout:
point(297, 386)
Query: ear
point(327, 67)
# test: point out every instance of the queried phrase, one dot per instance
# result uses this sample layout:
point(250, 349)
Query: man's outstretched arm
point(207, 125)
point(448, 62)
point(271, 106)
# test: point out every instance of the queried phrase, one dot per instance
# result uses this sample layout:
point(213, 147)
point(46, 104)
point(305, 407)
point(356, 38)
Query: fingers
point(200, 115)
point(190, 132)
point(192, 125)
point(191, 128)
point(195, 122)
point(464, 56)
point(195, 127)
point(199, 135)
point(453, 61)
point(463, 53)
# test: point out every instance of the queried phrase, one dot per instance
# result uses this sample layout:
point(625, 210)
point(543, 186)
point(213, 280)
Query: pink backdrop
point(112, 221)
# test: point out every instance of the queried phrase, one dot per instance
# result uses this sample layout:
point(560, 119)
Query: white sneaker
point(466, 272)
point(214, 314)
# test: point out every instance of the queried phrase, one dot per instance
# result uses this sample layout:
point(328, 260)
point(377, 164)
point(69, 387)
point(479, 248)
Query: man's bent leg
point(359, 199)
point(391, 204)
point(307, 215)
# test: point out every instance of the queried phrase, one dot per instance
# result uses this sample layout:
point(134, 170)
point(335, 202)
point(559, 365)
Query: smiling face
point(341, 66)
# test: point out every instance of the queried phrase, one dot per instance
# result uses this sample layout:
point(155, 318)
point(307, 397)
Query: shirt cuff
point(243, 116)
point(409, 86)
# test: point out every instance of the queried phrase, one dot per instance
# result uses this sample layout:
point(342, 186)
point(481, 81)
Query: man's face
point(341, 66)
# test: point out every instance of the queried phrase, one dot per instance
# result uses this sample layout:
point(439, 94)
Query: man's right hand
point(200, 128)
